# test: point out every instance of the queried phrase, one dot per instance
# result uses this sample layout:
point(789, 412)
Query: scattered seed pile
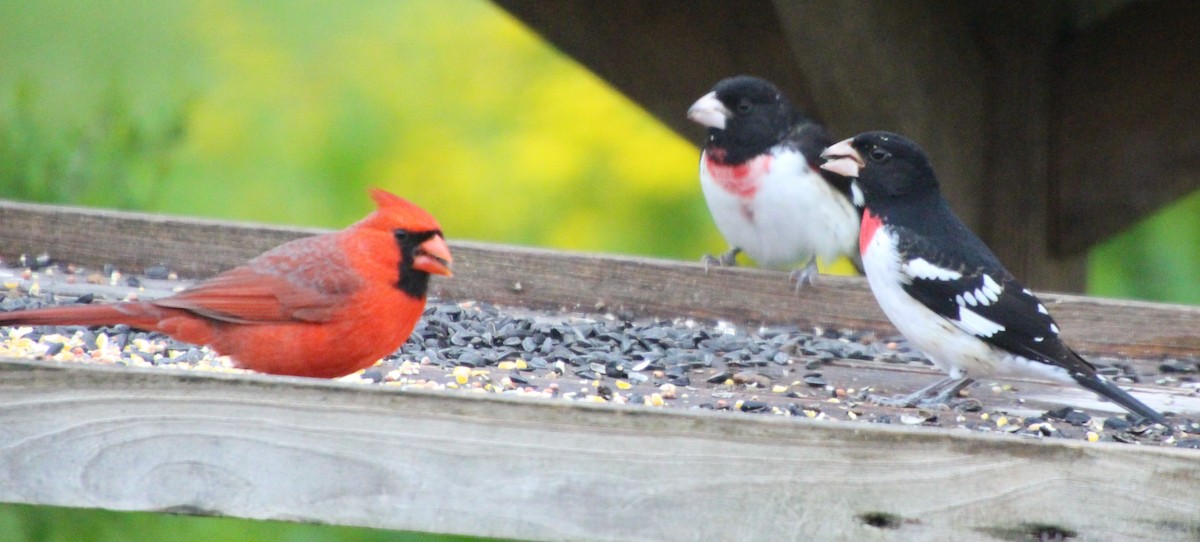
point(474, 347)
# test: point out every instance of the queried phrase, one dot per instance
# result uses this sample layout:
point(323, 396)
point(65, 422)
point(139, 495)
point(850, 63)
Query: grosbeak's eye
point(743, 107)
point(879, 155)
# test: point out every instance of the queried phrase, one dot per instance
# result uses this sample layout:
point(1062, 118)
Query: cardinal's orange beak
point(433, 257)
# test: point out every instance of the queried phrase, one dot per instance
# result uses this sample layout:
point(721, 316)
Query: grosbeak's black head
point(745, 116)
point(884, 165)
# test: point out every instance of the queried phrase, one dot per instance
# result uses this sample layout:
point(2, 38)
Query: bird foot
point(806, 275)
point(938, 394)
point(908, 401)
point(728, 259)
point(900, 401)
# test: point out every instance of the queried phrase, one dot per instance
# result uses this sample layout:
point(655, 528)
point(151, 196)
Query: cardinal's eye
point(401, 235)
point(879, 155)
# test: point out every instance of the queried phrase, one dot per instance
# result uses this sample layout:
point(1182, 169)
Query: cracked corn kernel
point(462, 374)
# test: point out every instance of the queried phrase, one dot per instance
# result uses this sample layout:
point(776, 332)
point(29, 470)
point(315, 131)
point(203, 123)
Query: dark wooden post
point(1018, 40)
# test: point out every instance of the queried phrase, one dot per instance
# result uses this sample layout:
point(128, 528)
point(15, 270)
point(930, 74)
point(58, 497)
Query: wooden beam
point(665, 55)
point(541, 278)
point(315, 451)
point(135, 240)
point(1124, 140)
point(1017, 39)
point(906, 67)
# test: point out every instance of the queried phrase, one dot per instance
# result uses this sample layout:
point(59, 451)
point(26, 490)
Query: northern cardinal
point(760, 176)
point(942, 287)
point(322, 306)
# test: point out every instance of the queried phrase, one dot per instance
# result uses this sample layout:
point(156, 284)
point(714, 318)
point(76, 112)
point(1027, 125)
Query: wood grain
point(540, 278)
point(303, 450)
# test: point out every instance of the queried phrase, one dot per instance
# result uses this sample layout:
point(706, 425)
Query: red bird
point(322, 306)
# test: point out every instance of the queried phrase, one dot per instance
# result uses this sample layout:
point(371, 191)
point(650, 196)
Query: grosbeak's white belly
point(778, 210)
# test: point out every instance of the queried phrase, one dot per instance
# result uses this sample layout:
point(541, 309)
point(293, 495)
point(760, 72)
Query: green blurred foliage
point(1158, 259)
point(19, 523)
point(286, 111)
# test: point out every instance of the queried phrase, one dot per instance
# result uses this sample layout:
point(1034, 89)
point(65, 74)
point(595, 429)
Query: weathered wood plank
point(304, 450)
point(1124, 140)
point(551, 279)
point(193, 247)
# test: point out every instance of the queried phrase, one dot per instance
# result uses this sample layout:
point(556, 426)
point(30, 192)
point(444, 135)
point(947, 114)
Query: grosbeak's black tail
point(1119, 396)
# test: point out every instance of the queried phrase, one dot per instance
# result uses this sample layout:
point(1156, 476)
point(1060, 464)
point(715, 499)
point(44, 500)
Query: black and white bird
point(942, 287)
point(761, 178)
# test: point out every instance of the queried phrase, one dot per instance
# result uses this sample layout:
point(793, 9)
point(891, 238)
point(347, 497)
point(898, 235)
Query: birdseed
point(475, 347)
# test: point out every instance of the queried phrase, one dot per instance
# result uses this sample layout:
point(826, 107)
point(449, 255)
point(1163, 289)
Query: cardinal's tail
point(137, 315)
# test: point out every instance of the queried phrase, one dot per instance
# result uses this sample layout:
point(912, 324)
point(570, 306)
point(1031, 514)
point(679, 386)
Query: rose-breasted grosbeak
point(942, 287)
point(760, 175)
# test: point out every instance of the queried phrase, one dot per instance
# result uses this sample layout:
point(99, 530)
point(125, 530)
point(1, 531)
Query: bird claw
point(900, 401)
point(908, 401)
point(938, 394)
point(728, 259)
point(806, 275)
